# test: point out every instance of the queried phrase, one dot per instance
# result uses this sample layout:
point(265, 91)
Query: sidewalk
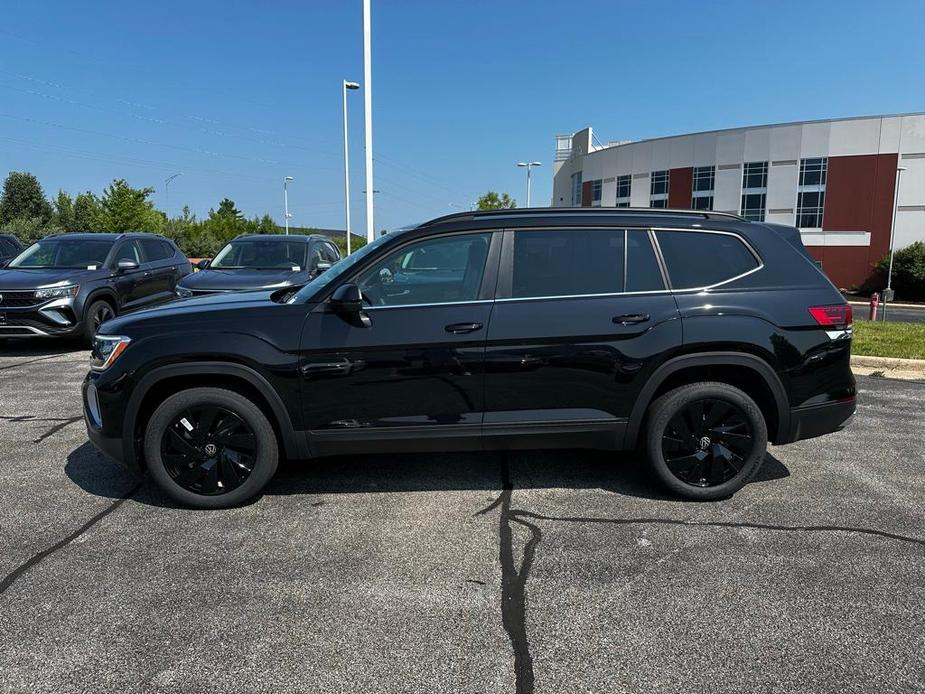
point(888, 367)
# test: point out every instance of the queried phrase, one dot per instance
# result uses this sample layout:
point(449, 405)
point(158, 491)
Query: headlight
point(106, 349)
point(183, 292)
point(57, 292)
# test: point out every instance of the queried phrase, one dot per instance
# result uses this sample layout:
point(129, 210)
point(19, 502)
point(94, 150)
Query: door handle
point(463, 328)
point(343, 366)
point(631, 318)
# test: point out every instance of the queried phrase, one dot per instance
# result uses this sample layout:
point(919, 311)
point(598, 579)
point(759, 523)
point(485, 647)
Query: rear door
point(582, 317)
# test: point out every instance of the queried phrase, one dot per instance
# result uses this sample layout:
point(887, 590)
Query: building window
point(576, 189)
point(624, 186)
point(811, 192)
point(596, 188)
point(754, 190)
point(658, 189)
point(702, 196)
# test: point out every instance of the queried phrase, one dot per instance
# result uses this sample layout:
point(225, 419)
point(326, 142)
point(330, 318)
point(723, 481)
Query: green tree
point(123, 208)
point(492, 201)
point(23, 198)
point(908, 271)
point(64, 211)
point(86, 213)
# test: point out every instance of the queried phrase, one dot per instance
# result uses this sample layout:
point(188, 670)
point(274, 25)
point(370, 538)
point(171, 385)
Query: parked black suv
point(262, 261)
point(698, 337)
point(69, 284)
point(10, 247)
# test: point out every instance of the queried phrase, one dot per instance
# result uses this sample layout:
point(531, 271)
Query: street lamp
point(286, 200)
point(888, 292)
point(528, 165)
point(167, 192)
point(351, 86)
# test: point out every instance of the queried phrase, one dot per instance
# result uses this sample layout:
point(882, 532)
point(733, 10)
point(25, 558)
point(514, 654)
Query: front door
point(133, 286)
point(581, 318)
point(412, 376)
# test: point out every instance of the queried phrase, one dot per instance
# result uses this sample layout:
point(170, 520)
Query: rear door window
point(567, 262)
point(697, 259)
point(642, 271)
point(154, 250)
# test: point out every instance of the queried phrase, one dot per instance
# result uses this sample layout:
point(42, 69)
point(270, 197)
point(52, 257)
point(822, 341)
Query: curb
point(891, 304)
point(888, 367)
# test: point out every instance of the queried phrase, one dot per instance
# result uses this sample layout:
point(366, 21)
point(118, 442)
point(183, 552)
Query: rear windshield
point(64, 253)
point(261, 254)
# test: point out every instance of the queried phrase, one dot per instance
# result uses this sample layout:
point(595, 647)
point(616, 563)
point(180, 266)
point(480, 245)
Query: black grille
point(17, 299)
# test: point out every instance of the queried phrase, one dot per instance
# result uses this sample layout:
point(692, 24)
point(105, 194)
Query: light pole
point(167, 192)
point(528, 165)
point(286, 200)
point(368, 117)
point(888, 292)
point(350, 86)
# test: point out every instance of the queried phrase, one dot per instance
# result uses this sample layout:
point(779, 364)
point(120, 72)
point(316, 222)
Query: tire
point(176, 446)
point(97, 312)
point(705, 441)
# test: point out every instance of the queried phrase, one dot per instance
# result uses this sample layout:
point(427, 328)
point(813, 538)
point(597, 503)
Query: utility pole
point(888, 292)
point(350, 86)
point(368, 112)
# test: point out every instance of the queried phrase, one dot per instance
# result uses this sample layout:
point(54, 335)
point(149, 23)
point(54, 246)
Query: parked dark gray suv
point(69, 284)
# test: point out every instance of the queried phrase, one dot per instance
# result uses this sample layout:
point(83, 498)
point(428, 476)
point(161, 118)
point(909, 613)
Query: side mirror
point(347, 300)
point(322, 266)
point(203, 264)
point(126, 265)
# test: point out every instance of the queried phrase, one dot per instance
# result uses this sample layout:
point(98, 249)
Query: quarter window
point(699, 259)
point(567, 262)
point(434, 271)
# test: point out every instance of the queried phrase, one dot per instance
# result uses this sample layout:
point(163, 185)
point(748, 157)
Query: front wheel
point(210, 448)
point(705, 440)
point(96, 314)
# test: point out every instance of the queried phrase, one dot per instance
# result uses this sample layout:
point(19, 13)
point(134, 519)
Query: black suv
point(67, 285)
point(696, 336)
point(10, 247)
point(262, 261)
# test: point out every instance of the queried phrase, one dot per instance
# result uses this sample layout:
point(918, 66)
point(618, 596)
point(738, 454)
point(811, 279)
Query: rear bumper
point(816, 420)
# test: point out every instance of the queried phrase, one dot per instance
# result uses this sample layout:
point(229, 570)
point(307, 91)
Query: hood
point(15, 278)
point(233, 280)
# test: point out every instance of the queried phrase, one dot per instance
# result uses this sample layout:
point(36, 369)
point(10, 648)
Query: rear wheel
point(705, 440)
point(97, 313)
point(210, 448)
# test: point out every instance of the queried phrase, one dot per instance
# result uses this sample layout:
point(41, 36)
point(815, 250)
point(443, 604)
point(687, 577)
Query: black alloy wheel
point(209, 450)
point(707, 442)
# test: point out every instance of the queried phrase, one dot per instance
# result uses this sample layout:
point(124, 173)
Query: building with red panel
point(833, 179)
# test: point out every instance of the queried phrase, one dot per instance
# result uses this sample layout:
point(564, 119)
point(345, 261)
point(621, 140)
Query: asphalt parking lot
point(547, 572)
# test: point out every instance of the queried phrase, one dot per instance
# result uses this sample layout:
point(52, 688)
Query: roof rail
point(608, 211)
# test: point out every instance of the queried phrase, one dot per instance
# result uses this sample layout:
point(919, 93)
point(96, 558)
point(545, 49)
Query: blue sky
point(238, 94)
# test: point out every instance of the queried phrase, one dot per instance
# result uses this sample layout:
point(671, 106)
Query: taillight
point(837, 316)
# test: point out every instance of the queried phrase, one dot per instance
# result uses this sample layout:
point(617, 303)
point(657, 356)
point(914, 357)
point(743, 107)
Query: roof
point(279, 237)
point(623, 143)
point(526, 212)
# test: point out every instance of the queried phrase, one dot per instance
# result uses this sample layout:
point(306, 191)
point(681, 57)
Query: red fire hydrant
point(874, 305)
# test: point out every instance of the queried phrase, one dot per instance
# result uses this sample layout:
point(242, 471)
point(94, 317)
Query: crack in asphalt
point(25, 363)
point(514, 579)
point(12, 577)
point(61, 423)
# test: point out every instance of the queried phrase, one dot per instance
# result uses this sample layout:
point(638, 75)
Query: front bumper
point(94, 416)
point(57, 317)
point(817, 420)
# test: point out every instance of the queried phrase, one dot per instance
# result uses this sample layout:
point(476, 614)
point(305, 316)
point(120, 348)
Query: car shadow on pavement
point(40, 347)
point(420, 472)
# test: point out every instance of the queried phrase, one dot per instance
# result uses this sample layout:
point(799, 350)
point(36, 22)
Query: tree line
point(27, 213)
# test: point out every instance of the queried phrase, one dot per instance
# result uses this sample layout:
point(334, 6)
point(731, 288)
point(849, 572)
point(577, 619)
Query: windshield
point(261, 254)
point(64, 253)
point(336, 270)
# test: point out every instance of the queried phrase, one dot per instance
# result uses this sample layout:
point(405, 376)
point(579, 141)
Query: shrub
point(908, 271)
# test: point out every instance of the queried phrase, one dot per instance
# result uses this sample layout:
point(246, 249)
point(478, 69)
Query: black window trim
point(506, 274)
point(701, 230)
